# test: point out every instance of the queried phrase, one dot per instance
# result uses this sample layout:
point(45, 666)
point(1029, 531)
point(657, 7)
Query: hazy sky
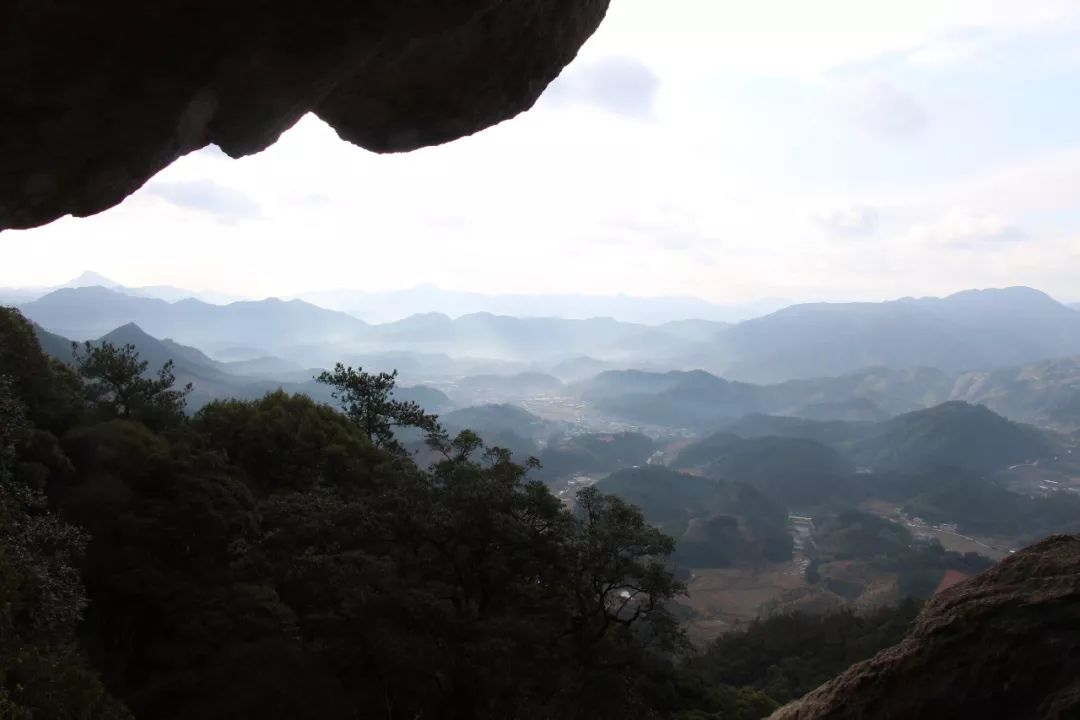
point(838, 149)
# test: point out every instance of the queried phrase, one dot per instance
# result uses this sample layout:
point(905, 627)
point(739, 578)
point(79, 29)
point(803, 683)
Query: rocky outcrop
point(1004, 644)
point(96, 97)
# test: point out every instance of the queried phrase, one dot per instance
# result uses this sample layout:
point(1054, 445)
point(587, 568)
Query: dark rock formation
point(96, 97)
point(1005, 644)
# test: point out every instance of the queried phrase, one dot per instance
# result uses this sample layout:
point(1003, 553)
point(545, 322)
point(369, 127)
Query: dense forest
point(278, 558)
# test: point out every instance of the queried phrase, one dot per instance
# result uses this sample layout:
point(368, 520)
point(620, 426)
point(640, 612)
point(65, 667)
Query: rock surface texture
point(96, 97)
point(1005, 644)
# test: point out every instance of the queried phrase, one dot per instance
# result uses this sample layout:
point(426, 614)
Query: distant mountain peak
point(89, 278)
point(1011, 293)
point(87, 291)
point(1007, 290)
point(128, 332)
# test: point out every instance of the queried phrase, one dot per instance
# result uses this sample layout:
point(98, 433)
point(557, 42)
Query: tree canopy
point(368, 401)
point(274, 558)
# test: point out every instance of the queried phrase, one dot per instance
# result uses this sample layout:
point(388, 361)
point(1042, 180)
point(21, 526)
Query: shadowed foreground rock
point(1005, 644)
point(96, 97)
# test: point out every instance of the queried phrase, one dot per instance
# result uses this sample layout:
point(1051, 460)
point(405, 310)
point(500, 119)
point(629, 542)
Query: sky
point(834, 150)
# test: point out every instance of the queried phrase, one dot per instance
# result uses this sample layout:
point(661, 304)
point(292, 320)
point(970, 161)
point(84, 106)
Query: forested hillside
point(275, 558)
point(278, 558)
point(716, 523)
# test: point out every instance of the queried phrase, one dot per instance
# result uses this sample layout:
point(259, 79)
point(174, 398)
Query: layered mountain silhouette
point(384, 307)
point(214, 380)
point(90, 278)
point(381, 307)
point(1045, 393)
point(978, 330)
point(970, 330)
point(950, 435)
point(314, 335)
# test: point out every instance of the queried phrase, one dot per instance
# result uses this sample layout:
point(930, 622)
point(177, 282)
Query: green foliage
point(284, 442)
point(276, 559)
point(716, 523)
point(789, 655)
point(979, 505)
point(50, 392)
point(795, 472)
point(850, 533)
point(41, 598)
point(723, 702)
point(116, 384)
point(367, 400)
point(885, 545)
point(595, 453)
point(953, 434)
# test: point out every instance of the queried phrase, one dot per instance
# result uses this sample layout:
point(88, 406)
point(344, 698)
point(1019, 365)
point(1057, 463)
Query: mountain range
point(978, 330)
point(215, 380)
point(927, 460)
point(971, 330)
point(943, 463)
point(275, 341)
point(382, 307)
point(90, 278)
point(311, 335)
point(1045, 393)
point(953, 434)
point(89, 312)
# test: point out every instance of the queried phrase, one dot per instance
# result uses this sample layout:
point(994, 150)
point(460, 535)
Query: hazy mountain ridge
point(208, 378)
point(969, 331)
point(282, 339)
point(1045, 393)
point(525, 339)
point(89, 278)
point(926, 460)
point(311, 335)
point(213, 380)
point(966, 331)
point(85, 313)
point(394, 305)
point(382, 307)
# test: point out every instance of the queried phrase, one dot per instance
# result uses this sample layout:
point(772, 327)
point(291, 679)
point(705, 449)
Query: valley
point(956, 466)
